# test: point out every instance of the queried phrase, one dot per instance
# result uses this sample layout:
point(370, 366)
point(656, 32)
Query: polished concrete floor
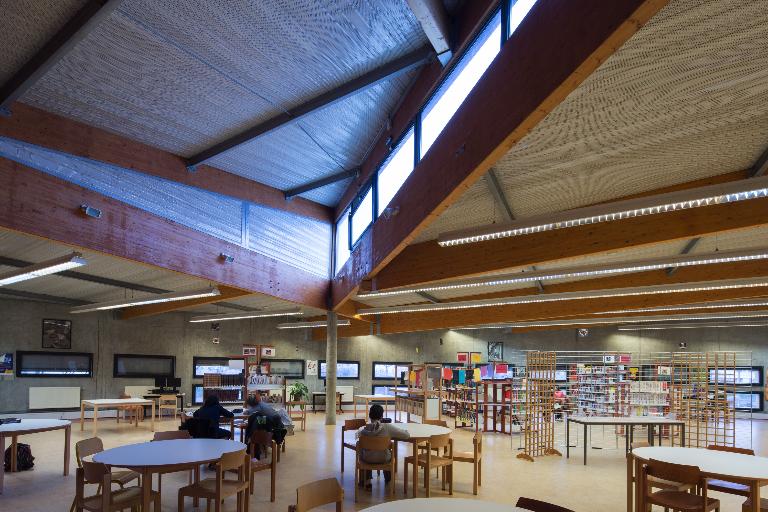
point(314, 454)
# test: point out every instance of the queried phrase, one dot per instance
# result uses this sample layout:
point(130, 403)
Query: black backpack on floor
point(24, 458)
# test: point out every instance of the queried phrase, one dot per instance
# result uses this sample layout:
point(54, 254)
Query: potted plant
point(298, 391)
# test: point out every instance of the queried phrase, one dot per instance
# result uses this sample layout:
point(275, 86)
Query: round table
point(441, 505)
point(746, 469)
point(31, 426)
point(418, 433)
point(166, 456)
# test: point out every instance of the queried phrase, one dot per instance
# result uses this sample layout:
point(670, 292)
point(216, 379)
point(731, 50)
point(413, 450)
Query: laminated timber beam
point(408, 322)
point(560, 44)
point(37, 204)
point(35, 126)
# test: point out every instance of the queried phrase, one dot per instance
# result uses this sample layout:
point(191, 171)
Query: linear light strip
point(554, 297)
point(689, 326)
point(153, 299)
point(582, 271)
point(620, 320)
point(53, 266)
point(708, 305)
point(242, 316)
point(310, 325)
point(724, 193)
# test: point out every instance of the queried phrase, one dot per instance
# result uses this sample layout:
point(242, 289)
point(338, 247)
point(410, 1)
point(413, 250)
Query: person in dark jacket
point(213, 411)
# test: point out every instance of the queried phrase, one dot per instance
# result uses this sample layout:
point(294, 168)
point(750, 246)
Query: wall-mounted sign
point(268, 352)
point(250, 351)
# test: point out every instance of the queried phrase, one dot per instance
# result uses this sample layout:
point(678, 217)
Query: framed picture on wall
point(495, 351)
point(475, 357)
point(462, 357)
point(57, 333)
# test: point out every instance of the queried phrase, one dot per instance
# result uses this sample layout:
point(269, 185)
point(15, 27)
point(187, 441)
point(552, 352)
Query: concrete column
point(330, 369)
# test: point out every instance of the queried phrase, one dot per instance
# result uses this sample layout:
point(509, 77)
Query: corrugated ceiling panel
point(210, 213)
point(301, 242)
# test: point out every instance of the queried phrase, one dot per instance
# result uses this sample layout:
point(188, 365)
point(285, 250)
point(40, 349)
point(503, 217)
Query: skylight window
point(517, 13)
point(395, 171)
point(362, 217)
point(342, 242)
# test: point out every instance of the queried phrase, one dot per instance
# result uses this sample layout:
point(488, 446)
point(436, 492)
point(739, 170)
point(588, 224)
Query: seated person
point(262, 416)
point(377, 428)
point(213, 411)
point(254, 404)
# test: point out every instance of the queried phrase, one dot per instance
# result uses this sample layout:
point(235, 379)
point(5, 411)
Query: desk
point(747, 469)
point(316, 394)
point(441, 505)
point(107, 403)
point(627, 421)
point(418, 433)
point(166, 457)
point(373, 398)
point(31, 426)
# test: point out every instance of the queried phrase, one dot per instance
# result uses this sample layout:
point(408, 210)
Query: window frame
point(20, 358)
point(396, 363)
point(371, 188)
point(390, 155)
point(142, 375)
point(288, 376)
point(195, 360)
point(320, 366)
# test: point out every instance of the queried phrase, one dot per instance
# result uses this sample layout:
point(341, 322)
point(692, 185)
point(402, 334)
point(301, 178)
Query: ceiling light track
point(312, 324)
point(722, 193)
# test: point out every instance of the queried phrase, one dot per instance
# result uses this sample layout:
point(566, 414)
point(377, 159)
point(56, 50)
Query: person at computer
point(376, 428)
point(213, 411)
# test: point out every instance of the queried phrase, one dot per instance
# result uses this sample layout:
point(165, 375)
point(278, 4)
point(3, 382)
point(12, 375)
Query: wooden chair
point(94, 445)
point(677, 500)
point(439, 423)
point(723, 485)
point(136, 411)
point(378, 444)
point(170, 435)
point(539, 506)
point(658, 483)
point(219, 488)
point(349, 425)
point(475, 457)
point(167, 403)
point(747, 506)
point(261, 440)
point(106, 500)
point(429, 461)
point(317, 494)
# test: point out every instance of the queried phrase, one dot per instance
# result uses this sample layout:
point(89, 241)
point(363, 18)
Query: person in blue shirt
point(213, 411)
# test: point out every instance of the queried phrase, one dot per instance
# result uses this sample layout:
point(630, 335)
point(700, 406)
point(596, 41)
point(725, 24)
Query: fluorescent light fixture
point(579, 322)
point(44, 268)
point(244, 315)
point(152, 299)
point(312, 324)
point(686, 260)
point(690, 326)
point(555, 297)
point(722, 193)
point(683, 307)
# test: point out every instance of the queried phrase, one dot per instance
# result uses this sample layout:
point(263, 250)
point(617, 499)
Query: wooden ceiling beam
point(225, 293)
point(35, 126)
point(38, 204)
point(560, 44)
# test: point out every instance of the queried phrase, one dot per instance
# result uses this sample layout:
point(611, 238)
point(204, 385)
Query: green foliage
point(298, 391)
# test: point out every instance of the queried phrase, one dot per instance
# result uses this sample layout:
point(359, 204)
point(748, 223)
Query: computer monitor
point(176, 382)
point(160, 382)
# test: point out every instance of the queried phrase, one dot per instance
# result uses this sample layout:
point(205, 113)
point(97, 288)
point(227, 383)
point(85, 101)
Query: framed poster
point(311, 367)
point(250, 351)
point(6, 364)
point(57, 333)
point(268, 352)
point(475, 357)
point(495, 351)
point(462, 357)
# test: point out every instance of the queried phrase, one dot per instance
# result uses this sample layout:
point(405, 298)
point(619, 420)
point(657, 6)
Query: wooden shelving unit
point(462, 399)
point(424, 395)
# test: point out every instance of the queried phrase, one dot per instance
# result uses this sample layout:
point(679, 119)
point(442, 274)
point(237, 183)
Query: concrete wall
point(172, 334)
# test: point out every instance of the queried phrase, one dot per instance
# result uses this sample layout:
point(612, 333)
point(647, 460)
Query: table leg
point(626, 439)
point(14, 453)
point(153, 419)
point(586, 442)
point(2, 464)
point(82, 416)
point(755, 492)
point(630, 480)
point(661, 431)
point(146, 489)
point(67, 436)
point(196, 501)
point(682, 435)
point(568, 438)
point(639, 506)
point(95, 419)
point(416, 468)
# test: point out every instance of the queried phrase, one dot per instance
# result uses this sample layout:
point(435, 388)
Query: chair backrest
point(94, 472)
point(167, 400)
point(731, 449)
point(477, 440)
point(169, 435)
point(540, 506)
point(439, 423)
point(353, 424)
point(319, 493)
point(231, 460)
point(440, 441)
point(261, 438)
point(87, 447)
point(374, 443)
point(675, 472)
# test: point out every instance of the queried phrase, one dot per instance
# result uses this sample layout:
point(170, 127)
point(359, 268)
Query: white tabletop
point(167, 453)
point(441, 505)
point(375, 397)
point(34, 425)
point(624, 420)
point(423, 430)
point(711, 462)
point(117, 401)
